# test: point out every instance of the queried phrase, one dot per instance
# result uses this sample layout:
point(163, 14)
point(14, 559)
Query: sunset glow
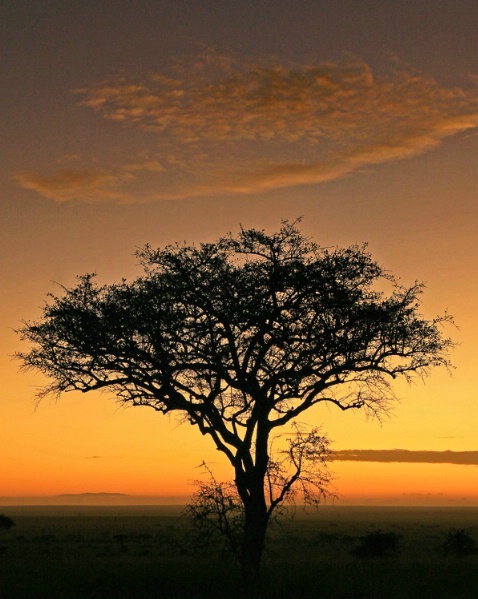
point(168, 122)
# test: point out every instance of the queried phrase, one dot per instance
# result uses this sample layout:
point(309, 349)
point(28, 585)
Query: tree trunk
point(250, 485)
point(255, 526)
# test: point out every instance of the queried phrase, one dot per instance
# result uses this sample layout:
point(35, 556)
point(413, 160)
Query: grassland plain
point(149, 552)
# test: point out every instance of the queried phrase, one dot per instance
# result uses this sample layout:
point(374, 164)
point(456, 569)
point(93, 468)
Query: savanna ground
point(151, 553)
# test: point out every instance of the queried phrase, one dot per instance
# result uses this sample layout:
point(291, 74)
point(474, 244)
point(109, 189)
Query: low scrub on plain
point(139, 553)
point(459, 542)
point(377, 544)
point(6, 522)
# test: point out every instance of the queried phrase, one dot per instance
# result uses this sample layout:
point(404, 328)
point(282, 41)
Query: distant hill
point(89, 495)
point(104, 499)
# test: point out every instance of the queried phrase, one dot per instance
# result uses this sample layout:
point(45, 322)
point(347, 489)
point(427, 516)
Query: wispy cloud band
point(466, 458)
point(226, 126)
point(69, 184)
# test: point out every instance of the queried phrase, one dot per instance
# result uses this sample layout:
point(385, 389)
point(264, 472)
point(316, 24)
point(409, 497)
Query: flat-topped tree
point(241, 337)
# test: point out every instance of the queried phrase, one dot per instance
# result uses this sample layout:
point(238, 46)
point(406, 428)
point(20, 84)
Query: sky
point(153, 122)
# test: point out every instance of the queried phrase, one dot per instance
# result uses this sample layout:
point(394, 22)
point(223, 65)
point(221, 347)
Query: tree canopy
point(241, 337)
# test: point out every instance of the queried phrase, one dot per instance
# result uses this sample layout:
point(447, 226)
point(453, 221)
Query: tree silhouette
point(241, 337)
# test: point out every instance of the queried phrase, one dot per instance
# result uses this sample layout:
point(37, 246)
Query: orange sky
point(179, 121)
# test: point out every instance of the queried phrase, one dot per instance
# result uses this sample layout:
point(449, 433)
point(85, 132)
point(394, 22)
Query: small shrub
point(377, 544)
point(459, 542)
point(216, 513)
point(6, 523)
point(121, 539)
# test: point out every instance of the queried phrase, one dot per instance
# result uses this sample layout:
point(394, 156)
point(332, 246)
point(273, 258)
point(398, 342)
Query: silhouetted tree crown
point(241, 337)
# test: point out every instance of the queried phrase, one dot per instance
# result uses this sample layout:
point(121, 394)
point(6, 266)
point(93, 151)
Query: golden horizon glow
point(361, 122)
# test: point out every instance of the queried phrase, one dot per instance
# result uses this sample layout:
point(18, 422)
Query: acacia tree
point(241, 337)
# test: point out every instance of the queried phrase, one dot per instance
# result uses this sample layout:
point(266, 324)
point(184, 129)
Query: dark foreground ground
point(150, 553)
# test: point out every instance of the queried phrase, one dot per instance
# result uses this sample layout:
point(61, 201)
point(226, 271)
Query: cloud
point(466, 458)
point(153, 166)
point(71, 184)
point(230, 126)
point(90, 185)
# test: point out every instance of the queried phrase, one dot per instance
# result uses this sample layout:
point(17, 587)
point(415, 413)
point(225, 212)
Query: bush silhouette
point(5, 522)
point(377, 544)
point(459, 542)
